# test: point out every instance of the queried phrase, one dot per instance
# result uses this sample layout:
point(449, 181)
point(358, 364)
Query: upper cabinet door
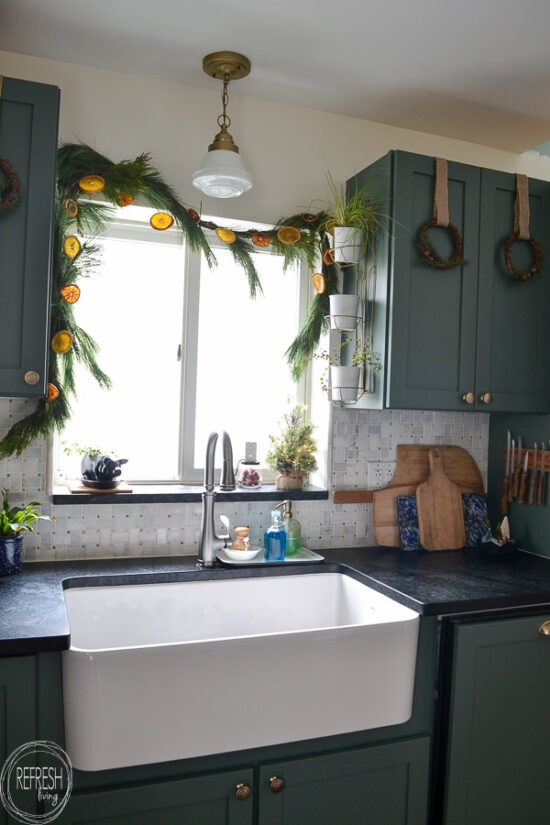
point(431, 337)
point(28, 142)
point(513, 362)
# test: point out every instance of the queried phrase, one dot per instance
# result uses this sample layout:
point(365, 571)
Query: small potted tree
point(292, 453)
point(14, 522)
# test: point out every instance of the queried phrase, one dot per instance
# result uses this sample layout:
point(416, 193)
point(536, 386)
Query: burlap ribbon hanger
point(521, 208)
point(441, 193)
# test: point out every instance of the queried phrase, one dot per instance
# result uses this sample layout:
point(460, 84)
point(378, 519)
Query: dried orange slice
point(226, 235)
point(318, 282)
point(161, 221)
point(92, 183)
point(71, 207)
point(62, 341)
point(71, 246)
point(308, 217)
point(260, 239)
point(52, 392)
point(328, 257)
point(289, 234)
point(194, 215)
point(70, 293)
point(125, 200)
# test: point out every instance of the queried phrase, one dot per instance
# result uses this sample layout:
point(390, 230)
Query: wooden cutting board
point(386, 528)
point(412, 466)
point(440, 514)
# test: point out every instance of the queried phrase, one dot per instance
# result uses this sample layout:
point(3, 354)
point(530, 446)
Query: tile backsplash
point(363, 447)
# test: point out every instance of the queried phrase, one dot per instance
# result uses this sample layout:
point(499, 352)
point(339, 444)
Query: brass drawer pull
point(486, 398)
point(243, 791)
point(276, 784)
point(31, 377)
point(469, 397)
point(544, 629)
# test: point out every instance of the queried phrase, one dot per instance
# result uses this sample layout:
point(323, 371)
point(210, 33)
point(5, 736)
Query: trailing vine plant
point(80, 218)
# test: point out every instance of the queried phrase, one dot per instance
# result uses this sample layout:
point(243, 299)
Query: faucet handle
point(225, 521)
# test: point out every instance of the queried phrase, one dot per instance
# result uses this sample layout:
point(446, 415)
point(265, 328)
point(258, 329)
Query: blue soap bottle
point(275, 539)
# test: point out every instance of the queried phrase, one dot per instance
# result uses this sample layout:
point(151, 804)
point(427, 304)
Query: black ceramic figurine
point(101, 470)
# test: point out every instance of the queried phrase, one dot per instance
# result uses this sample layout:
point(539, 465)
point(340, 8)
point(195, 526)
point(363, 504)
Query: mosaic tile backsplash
point(362, 455)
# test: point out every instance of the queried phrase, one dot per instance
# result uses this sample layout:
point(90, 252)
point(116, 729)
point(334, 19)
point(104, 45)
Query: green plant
point(17, 520)
point(294, 449)
point(360, 210)
point(78, 449)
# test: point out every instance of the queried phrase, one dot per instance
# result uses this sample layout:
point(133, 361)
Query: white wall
point(288, 149)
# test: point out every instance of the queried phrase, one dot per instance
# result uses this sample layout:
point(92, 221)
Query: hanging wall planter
point(345, 311)
point(344, 383)
point(349, 245)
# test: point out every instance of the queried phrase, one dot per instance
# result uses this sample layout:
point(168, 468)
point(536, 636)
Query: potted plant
point(349, 382)
point(352, 222)
point(292, 453)
point(98, 469)
point(14, 521)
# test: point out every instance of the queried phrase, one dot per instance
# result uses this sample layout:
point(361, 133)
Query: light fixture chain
point(224, 121)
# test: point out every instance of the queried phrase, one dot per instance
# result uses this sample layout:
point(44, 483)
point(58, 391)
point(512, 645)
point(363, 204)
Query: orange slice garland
point(328, 257)
point(260, 239)
point(92, 183)
point(161, 221)
point(226, 235)
point(70, 293)
point(194, 215)
point(71, 207)
point(71, 246)
point(318, 282)
point(289, 234)
point(62, 341)
point(124, 199)
point(52, 392)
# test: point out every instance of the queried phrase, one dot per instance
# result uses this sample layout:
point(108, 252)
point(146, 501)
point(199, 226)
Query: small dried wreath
point(534, 269)
point(429, 253)
point(11, 191)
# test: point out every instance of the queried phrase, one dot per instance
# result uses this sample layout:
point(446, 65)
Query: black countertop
point(33, 617)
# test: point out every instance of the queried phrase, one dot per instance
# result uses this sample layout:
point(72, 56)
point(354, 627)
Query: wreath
point(11, 191)
point(534, 269)
point(429, 254)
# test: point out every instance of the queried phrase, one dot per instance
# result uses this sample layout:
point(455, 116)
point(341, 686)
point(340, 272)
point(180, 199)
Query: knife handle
point(532, 487)
point(540, 489)
point(515, 485)
point(522, 488)
point(506, 489)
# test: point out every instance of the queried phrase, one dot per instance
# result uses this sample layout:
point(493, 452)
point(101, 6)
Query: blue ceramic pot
point(11, 550)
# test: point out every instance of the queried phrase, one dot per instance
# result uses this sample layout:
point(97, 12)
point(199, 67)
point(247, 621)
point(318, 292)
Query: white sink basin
point(157, 672)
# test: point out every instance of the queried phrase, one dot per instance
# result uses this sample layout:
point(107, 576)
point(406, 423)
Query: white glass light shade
point(222, 174)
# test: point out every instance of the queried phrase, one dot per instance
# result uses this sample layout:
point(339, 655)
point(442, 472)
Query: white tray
point(303, 555)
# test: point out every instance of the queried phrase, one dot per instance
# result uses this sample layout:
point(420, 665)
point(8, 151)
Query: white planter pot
point(344, 383)
point(348, 244)
point(344, 311)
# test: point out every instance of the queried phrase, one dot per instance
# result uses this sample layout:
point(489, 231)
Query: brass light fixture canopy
point(226, 64)
point(222, 173)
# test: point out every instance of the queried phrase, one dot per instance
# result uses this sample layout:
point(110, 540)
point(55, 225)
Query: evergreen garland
point(76, 214)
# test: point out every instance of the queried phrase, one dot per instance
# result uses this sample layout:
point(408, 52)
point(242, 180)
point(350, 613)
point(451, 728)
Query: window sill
point(175, 493)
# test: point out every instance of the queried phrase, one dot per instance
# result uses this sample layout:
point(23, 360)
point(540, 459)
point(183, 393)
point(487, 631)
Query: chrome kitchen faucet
point(209, 539)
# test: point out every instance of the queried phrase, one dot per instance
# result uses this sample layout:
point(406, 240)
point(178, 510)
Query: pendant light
point(222, 173)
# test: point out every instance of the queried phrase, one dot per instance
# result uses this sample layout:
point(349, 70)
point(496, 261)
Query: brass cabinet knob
point(486, 398)
point(31, 377)
point(276, 784)
point(243, 791)
point(469, 397)
point(545, 628)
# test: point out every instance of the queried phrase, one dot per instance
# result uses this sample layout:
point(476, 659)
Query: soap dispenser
point(275, 539)
point(292, 528)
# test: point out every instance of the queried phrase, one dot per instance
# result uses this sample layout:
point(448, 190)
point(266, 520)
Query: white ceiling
point(476, 70)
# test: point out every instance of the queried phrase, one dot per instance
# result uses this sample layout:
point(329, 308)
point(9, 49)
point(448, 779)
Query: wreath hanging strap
point(522, 233)
point(441, 220)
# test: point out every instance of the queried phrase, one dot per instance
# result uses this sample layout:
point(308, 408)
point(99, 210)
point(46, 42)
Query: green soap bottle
point(292, 528)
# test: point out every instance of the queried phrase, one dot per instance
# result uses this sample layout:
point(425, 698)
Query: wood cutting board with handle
point(440, 514)
point(384, 513)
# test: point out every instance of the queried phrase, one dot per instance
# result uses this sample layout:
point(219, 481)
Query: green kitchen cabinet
point(28, 142)
point(498, 748)
point(467, 338)
point(203, 800)
point(381, 785)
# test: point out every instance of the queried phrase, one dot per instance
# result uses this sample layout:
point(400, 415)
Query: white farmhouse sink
point(157, 672)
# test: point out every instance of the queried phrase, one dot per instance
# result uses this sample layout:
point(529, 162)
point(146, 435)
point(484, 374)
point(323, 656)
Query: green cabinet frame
point(446, 336)
point(499, 724)
point(28, 141)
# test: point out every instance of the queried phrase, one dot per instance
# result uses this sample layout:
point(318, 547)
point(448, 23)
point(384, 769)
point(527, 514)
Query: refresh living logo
point(36, 782)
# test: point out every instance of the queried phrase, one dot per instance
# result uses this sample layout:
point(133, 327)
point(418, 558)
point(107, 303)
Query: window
point(187, 350)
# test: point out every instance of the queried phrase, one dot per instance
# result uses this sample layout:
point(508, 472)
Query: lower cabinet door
point(380, 785)
point(217, 799)
point(498, 753)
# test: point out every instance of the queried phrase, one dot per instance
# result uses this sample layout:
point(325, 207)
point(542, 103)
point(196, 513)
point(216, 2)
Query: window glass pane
point(133, 307)
point(243, 379)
